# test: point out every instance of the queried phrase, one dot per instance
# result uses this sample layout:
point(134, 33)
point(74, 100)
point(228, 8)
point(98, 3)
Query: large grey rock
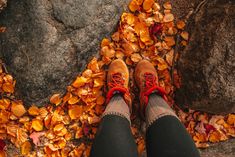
point(47, 43)
point(3, 4)
point(222, 149)
point(208, 63)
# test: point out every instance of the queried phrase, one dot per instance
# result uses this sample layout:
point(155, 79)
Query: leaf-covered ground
point(67, 125)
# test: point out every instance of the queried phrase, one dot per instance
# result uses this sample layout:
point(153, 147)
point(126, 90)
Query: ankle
point(157, 107)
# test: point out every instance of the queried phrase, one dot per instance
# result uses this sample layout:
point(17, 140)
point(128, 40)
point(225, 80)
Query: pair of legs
point(165, 135)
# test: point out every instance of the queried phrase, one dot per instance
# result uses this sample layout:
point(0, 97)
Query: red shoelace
point(116, 80)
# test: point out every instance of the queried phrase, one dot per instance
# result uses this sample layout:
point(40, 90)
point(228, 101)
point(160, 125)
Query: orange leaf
point(75, 111)
point(231, 119)
point(73, 100)
point(105, 42)
point(180, 25)
point(25, 148)
point(100, 100)
point(148, 4)
point(17, 108)
point(93, 65)
point(135, 57)
point(56, 99)
point(34, 110)
point(8, 87)
point(80, 81)
point(2, 152)
point(37, 125)
point(185, 35)
point(4, 103)
point(133, 6)
point(214, 136)
point(167, 5)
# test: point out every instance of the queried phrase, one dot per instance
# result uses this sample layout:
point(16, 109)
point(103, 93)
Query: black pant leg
point(167, 137)
point(114, 139)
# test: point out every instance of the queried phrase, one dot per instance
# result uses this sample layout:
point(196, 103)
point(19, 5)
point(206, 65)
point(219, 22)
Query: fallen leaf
point(185, 35)
point(168, 17)
point(75, 111)
point(35, 136)
point(25, 148)
point(180, 25)
point(34, 110)
point(37, 125)
point(56, 99)
point(167, 5)
point(17, 108)
point(148, 4)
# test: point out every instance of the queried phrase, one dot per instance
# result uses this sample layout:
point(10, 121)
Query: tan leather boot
point(117, 80)
point(147, 80)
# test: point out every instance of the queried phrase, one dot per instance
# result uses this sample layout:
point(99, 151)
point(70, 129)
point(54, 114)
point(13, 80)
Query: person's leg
point(166, 136)
point(114, 137)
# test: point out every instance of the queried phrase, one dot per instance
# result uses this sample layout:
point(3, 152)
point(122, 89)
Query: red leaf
point(156, 29)
point(208, 128)
point(2, 145)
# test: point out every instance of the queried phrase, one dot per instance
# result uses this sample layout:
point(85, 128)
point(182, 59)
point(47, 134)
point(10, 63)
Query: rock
point(222, 149)
point(3, 4)
point(47, 43)
point(208, 63)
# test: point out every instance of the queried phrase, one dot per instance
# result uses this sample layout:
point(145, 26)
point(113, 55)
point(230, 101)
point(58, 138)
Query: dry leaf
point(148, 4)
point(135, 57)
point(80, 81)
point(34, 110)
point(133, 6)
point(180, 25)
point(17, 108)
point(105, 42)
point(75, 111)
point(168, 17)
point(56, 99)
point(167, 5)
point(37, 125)
point(25, 148)
point(185, 35)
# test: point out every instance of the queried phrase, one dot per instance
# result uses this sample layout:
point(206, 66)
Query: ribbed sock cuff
point(117, 106)
point(157, 108)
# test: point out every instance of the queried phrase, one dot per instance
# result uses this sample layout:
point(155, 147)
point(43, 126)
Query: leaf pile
point(67, 126)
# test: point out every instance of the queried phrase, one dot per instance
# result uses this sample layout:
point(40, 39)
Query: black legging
point(166, 137)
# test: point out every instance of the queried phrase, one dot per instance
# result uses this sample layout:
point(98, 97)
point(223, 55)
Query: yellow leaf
point(37, 125)
point(25, 148)
point(185, 35)
point(80, 81)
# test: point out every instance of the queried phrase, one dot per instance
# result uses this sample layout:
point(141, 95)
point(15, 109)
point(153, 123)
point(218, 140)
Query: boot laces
point(150, 80)
point(116, 80)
